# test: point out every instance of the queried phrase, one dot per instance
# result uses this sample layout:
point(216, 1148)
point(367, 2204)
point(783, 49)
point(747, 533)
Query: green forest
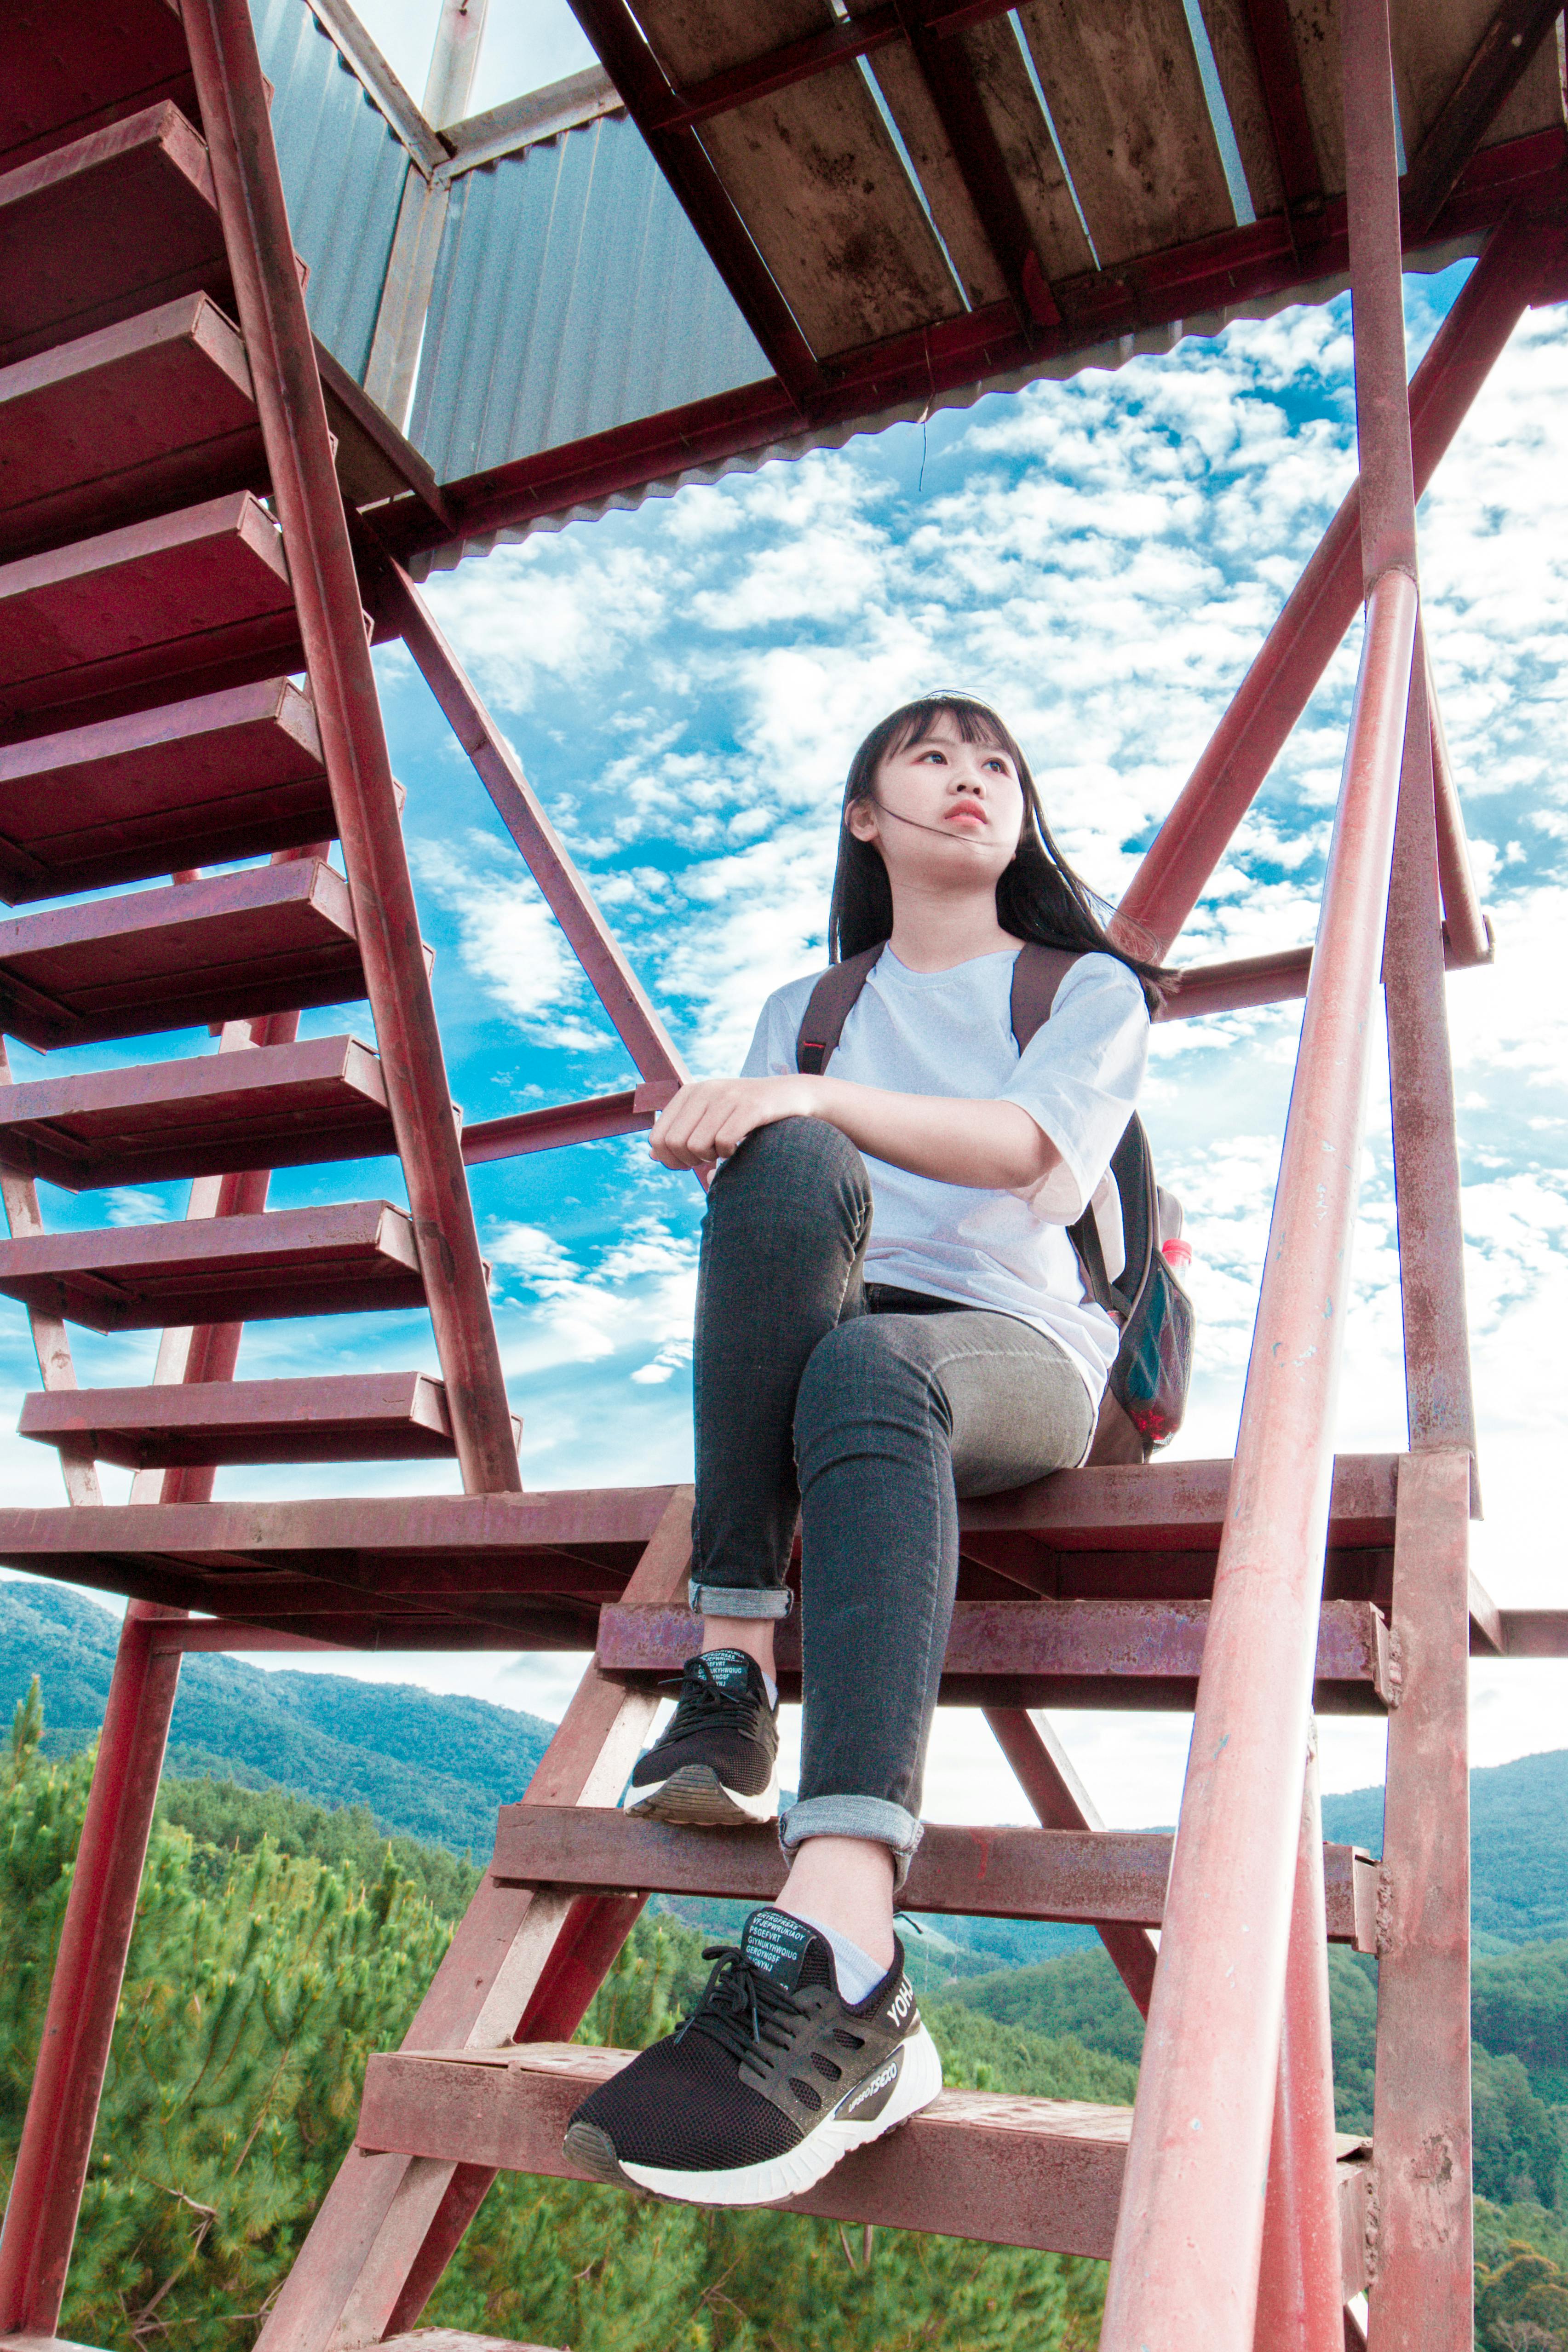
point(281, 1939)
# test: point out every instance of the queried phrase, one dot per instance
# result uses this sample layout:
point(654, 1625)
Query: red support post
point(84, 1992)
point(1189, 2238)
point(1300, 2305)
point(282, 361)
point(1422, 2283)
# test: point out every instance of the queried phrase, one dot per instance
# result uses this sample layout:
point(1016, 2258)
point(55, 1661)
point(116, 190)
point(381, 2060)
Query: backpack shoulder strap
point(831, 1003)
point(1037, 972)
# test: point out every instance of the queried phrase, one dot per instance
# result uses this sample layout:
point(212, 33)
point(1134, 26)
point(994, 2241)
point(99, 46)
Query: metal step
point(1101, 1654)
point(201, 782)
point(110, 224)
point(418, 1571)
point(330, 1261)
point(145, 614)
point(370, 1417)
point(262, 941)
point(137, 419)
point(1004, 2171)
point(1000, 1873)
point(118, 58)
point(548, 1560)
point(274, 1107)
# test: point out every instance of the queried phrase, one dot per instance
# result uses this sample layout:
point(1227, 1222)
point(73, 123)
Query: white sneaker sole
point(694, 1797)
point(800, 2168)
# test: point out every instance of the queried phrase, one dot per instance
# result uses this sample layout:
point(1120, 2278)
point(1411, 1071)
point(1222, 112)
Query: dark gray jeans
point(869, 1410)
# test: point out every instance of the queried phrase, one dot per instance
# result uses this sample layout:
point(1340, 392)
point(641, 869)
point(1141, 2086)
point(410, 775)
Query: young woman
point(889, 1315)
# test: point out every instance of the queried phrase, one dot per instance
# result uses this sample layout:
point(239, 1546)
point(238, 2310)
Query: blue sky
point(684, 684)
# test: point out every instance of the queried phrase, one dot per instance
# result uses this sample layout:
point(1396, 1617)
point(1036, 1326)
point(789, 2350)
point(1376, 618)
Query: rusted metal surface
point(113, 615)
point(1300, 2292)
point(325, 1260)
point(142, 417)
point(1440, 1403)
point(1018, 2172)
point(1276, 688)
point(115, 223)
point(278, 1105)
point(123, 56)
point(264, 939)
point(1188, 2243)
point(1421, 2291)
point(186, 783)
point(360, 1417)
point(1049, 1653)
point(1022, 1874)
point(305, 492)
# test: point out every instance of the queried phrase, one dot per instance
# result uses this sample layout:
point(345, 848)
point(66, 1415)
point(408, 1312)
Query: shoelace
point(701, 1698)
point(741, 2007)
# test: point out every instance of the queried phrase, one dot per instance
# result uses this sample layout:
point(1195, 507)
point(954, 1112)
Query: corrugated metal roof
point(343, 169)
point(571, 295)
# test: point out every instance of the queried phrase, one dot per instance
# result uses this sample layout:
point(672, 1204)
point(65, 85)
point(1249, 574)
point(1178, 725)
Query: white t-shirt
point(950, 1033)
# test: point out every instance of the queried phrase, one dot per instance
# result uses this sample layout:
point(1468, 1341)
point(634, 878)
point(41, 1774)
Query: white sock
point(770, 1687)
point(856, 1970)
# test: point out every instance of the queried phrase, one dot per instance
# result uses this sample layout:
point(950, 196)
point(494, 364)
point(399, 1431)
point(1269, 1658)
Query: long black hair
point(1039, 895)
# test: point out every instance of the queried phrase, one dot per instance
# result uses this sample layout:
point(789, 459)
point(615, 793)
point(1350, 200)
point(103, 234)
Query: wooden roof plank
point(1236, 60)
point(1028, 148)
point(821, 188)
point(1129, 111)
point(1315, 24)
point(903, 86)
point(1434, 41)
point(1127, 100)
point(813, 175)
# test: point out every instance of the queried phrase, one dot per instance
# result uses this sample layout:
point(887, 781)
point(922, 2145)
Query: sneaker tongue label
point(728, 1668)
point(776, 1943)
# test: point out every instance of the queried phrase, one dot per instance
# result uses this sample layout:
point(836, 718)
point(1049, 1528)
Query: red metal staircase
point(175, 554)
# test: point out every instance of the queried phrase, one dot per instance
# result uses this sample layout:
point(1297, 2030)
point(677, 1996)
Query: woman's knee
point(798, 1165)
point(860, 1375)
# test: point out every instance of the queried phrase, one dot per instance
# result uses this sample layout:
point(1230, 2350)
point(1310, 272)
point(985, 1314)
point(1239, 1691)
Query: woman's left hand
point(711, 1118)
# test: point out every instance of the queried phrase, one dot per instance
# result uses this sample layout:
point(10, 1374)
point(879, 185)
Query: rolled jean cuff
point(858, 1817)
point(739, 1600)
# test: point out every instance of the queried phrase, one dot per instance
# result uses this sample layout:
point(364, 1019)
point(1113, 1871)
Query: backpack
point(1146, 1390)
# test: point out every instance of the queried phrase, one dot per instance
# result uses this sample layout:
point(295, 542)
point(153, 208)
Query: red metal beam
point(1440, 1405)
point(1300, 2303)
point(1044, 1772)
point(401, 608)
point(642, 82)
point(1276, 690)
point(1189, 2235)
point(1501, 58)
point(282, 361)
point(1466, 930)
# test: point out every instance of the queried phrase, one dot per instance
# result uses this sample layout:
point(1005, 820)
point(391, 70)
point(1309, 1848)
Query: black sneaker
point(717, 1761)
point(768, 2083)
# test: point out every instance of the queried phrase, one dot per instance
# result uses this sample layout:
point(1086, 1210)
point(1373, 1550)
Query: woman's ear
point(860, 818)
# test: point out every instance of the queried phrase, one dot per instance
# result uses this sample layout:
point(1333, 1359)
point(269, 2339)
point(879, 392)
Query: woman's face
point(943, 805)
